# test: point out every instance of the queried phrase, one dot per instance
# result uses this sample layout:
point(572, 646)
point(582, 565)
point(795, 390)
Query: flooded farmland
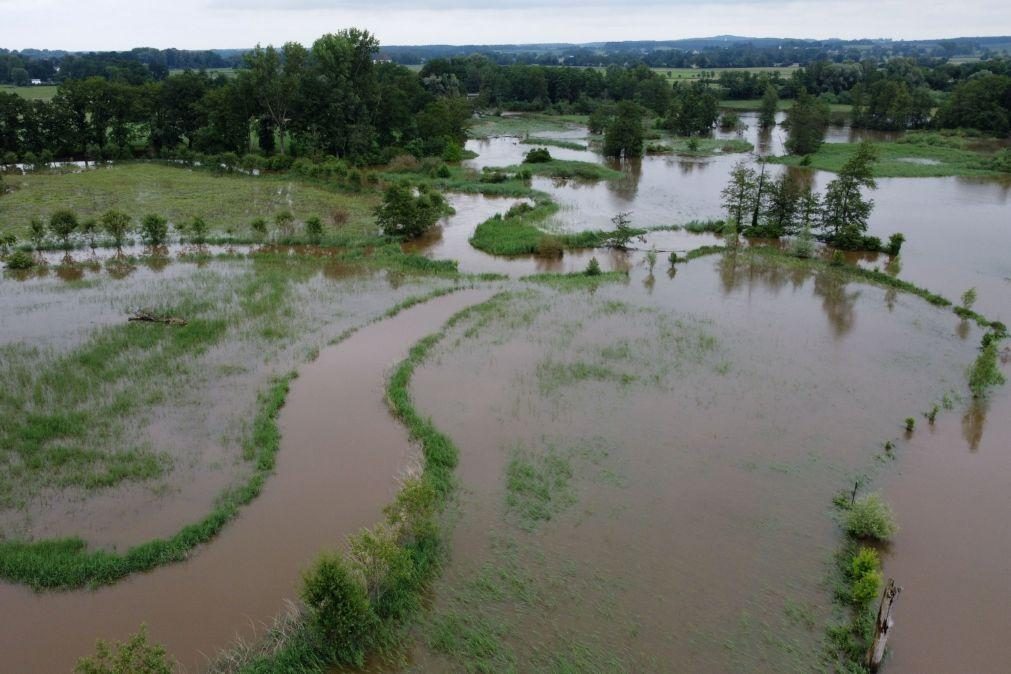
point(647, 464)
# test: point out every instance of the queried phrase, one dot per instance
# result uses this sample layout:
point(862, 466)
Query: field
point(228, 203)
point(916, 156)
point(784, 104)
point(37, 93)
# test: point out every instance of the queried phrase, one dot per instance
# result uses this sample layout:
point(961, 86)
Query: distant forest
point(147, 64)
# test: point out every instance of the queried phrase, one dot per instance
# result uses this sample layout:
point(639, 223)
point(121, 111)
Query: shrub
point(651, 259)
point(19, 259)
point(259, 227)
point(593, 268)
point(866, 577)
point(63, 223)
point(339, 609)
point(870, 517)
point(339, 217)
point(443, 172)
point(910, 424)
point(154, 229)
point(519, 209)
point(404, 163)
point(550, 246)
point(895, 242)
point(408, 215)
point(838, 259)
point(198, 230)
point(314, 229)
point(117, 225)
point(985, 372)
point(969, 299)
point(7, 242)
point(89, 228)
point(538, 155)
point(673, 258)
point(133, 656)
point(387, 569)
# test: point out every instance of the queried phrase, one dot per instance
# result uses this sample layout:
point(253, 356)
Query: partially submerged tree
point(739, 194)
point(117, 225)
point(845, 211)
point(806, 122)
point(624, 136)
point(770, 105)
point(63, 223)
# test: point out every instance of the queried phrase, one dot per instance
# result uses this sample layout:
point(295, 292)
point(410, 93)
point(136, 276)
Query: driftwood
point(146, 316)
point(882, 626)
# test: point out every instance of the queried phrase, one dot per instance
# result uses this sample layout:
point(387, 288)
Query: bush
point(405, 214)
point(538, 155)
point(63, 223)
point(387, 569)
point(985, 372)
point(259, 227)
point(339, 217)
point(870, 517)
point(19, 259)
point(117, 225)
point(550, 246)
point(895, 242)
point(866, 578)
point(154, 229)
point(198, 230)
point(593, 268)
point(838, 259)
point(133, 656)
point(340, 613)
point(314, 229)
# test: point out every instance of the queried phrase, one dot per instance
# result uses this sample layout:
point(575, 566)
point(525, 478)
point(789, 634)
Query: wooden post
point(853, 496)
point(882, 626)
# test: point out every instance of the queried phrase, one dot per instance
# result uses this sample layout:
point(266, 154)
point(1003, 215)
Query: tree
point(739, 194)
point(806, 122)
point(154, 229)
point(770, 104)
point(782, 204)
point(406, 214)
point(694, 110)
point(37, 233)
point(198, 230)
point(624, 137)
point(275, 78)
point(845, 211)
point(117, 225)
point(63, 223)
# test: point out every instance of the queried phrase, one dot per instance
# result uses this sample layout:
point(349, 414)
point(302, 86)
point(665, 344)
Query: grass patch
point(699, 147)
point(67, 563)
point(490, 126)
point(538, 486)
point(553, 375)
point(913, 156)
point(565, 168)
point(577, 280)
point(44, 92)
point(228, 203)
point(555, 142)
point(518, 232)
point(755, 105)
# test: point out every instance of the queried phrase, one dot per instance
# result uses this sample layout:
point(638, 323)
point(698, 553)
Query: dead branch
point(146, 316)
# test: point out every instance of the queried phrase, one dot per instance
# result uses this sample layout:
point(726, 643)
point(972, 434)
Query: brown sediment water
point(340, 458)
point(952, 554)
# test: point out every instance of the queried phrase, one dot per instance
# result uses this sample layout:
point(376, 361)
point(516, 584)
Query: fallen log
point(145, 316)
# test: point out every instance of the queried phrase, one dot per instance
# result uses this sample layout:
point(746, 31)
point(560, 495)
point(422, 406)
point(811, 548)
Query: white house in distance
point(36, 82)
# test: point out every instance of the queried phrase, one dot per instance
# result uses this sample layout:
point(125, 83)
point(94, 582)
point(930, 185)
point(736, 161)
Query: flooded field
point(647, 463)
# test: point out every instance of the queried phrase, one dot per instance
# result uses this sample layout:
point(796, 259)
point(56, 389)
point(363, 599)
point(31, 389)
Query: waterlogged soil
point(646, 468)
point(196, 420)
point(338, 466)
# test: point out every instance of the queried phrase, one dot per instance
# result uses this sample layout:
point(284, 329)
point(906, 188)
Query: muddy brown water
point(340, 457)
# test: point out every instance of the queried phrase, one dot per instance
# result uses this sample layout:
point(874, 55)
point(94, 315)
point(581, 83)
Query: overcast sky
point(204, 24)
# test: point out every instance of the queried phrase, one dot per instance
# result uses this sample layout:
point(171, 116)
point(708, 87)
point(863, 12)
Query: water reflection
point(973, 423)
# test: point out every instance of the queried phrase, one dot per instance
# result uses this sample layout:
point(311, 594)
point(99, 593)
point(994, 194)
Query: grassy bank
point(915, 156)
point(554, 142)
point(563, 168)
point(228, 203)
point(346, 597)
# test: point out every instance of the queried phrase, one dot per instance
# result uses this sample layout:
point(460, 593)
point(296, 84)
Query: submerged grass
point(537, 486)
point(555, 142)
point(67, 563)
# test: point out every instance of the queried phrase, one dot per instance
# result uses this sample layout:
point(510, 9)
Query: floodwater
point(701, 528)
point(340, 457)
point(953, 564)
point(741, 397)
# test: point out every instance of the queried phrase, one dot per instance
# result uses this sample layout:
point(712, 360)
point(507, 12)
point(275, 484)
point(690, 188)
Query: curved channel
point(341, 454)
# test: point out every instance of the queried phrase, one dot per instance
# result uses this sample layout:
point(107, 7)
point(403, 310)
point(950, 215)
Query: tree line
point(330, 99)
